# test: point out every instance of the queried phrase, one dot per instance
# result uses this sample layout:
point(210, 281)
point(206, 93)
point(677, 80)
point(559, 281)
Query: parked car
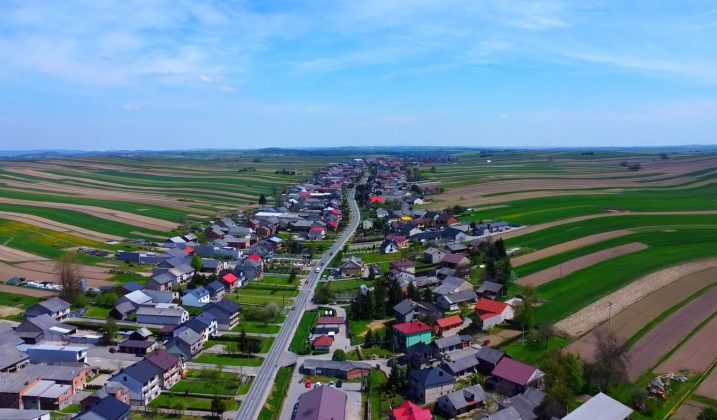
point(339, 383)
point(331, 384)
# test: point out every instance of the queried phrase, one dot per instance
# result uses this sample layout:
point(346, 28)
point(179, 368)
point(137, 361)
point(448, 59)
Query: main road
point(260, 389)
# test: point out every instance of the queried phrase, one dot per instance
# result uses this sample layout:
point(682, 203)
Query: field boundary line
point(691, 390)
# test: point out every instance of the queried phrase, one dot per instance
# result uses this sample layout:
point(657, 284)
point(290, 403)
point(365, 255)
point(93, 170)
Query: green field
point(43, 242)
point(272, 407)
point(299, 343)
point(188, 403)
point(229, 360)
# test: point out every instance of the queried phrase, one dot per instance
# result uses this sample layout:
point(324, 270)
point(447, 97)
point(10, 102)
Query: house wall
point(424, 337)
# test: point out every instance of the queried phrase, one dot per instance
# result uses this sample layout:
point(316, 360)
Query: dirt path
point(114, 215)
point(26, 291)
point(59, 227)
point(542, 226)
point(667, 334)
point(12, 255)
point(44, 273)
point(697, 353)
point(708, 388)
point(576, 264)
point(6, 311)
point(596, 313)
point(630, 321)
point(568, 246)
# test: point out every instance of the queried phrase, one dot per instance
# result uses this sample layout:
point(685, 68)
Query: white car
point(317, 270)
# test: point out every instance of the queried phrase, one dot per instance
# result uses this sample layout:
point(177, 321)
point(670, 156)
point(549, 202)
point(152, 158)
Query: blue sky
point(162, 74)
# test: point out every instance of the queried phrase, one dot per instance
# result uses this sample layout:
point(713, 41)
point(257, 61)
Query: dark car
point(339, 383)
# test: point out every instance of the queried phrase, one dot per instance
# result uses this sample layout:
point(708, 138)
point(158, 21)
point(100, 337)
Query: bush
point(708, 413)
point(339, 356)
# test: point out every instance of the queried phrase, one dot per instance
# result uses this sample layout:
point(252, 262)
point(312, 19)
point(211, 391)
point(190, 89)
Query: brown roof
point(453, 258)
point(330, 320)
point(163, 360)
point(403, 262)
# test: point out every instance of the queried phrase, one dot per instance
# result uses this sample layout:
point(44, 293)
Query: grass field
point(43, 242)
point(188, 403)
point(229, 360)
point(299, 343)
point(272, 407)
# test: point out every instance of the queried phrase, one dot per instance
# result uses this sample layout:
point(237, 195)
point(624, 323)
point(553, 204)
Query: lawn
point(277, 280)
point(299, 342)
point(533, 352)
point(188, 403)
point(254, 327)
point(272, 407)
point(98, 312)
point(228, 385)
point(266, 343)
point(17, 301)
point(229, 360)
point(379, 402)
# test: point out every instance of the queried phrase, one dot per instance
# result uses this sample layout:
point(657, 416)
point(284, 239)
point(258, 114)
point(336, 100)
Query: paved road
point(261, 387)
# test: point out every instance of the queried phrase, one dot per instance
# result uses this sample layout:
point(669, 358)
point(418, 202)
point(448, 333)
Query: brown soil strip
point(697, 353)
point(668, 333)
point(689, 411)
point(708, 388)
point(59, 227)
point(6, 311)
point(571, 266)
point(8, 254)
point(26, 291)
point(568, 246)
point(43, 272)
point(596, 313)
point(630, 321)
point(115, 215)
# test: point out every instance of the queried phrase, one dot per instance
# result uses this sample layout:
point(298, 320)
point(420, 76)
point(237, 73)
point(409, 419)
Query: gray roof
point(600, 407)
point(10, 338)
point(188, 336)
point(490, 355)
point(331, 364)
point(449, 341)
point(125, 307)
point(523, 406)
point(405, 306)
point(170, 311)
point(431, 377)
point(509, 413)
point(322, 403)
point(18, 414)
point(461, 365)
point(54, 304)
point(465, 397)
point(15, 382)
point(53, 372)
point(489, 286)
point(463, 296)
point(142, 371)
point(46, 323)
point(10, 355)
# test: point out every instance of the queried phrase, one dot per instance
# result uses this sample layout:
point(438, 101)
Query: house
point(13, 388)
point(388, 247)
point(462, 402)
point(138, 347)
point(49, 353)
point(212, 266)
point(226, 312)
point(433, 256)
point(162, 314)
point(352, 266)
point(446, 219)
point(427, 385)
point(509, 413)
point(21, 414)
point(322, 344)
point(128, 287)
point(316, 233)
point(600, 407)
point(461, 366)
point(252, 267)
point(43, 327)
point(45, 395)
point(526, 404)
point(205, 325)
point(12, 359)
point(163, 282)
point(406, 310)
point(171, 366)
point(142, 379)
point(458, 262)
point(511, 377)
point(453, 301)
point(456, 248)
point(196, 298)
point(452, 342)
point(54, 307)
point(142, 333)
point(448, 323)
point(347, 370)
point(109, 389)
point(410, 411)
point(450, 285)
point(409, 333)
point(108, 408)
point(422, 355)
point(329, 324)
point(231, 281)
point(492, 312)
point(185, 344)
point(321, 403)
point(403, 265)
point(491, 290)
point(488, 359)
point(123, 310)
point(216, 290)
point(75, 377)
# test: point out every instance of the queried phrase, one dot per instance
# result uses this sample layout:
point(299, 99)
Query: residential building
point(138, 347)
point(452, 342)
point(461, 402)
point(448, 323)
point(403, 265)
point(453, 301)
point(409, 333)
point(492, 312)
point(108, 408)
point(511, 377)
point(226, 312)
point(322, 344)
point(410, 411)
point(12, 359)
point(407, 310)
point(329, 324)
point(20, 414)
point(458, 262)
point(185, 344)
point(54, 307)
point(252, 267)
point(433, 256)
point(43, 327)
point(50, 353)
point(216, 290)
point(491, 290)
point(422, 355)
point(458, 367)
point(232, 281)
point(427, 385)
point(526, 404)
point(162, 314)
point(321, 403)
point(450, 285)
point(347, 370)
point(47, 395)
point(143, 381)
point(109, 389)
point(352, 267)
point(196, 298)
point(75, 377)
point(388, 247)
point(600, 407)
point(171, 366)
point(13, 387)
point(488, 359)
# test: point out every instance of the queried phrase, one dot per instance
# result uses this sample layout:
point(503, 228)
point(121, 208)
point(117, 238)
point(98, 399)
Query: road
point(260, 389)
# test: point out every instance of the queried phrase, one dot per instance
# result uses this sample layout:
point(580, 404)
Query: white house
point(492, 312)
point(162, 314)
point(196, 297)
point(143, 380)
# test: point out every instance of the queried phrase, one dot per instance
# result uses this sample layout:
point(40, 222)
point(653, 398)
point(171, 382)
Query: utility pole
point(609, 313)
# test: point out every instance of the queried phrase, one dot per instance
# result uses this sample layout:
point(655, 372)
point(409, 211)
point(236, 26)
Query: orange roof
point(413, 327)
point(492, 306)
point(410, 411)
point(449, 322)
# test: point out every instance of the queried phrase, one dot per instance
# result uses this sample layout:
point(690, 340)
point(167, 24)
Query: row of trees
point(497, 263)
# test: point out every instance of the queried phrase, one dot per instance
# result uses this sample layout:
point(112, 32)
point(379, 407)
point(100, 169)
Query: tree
point(545, 333)
point(379, 297)
point(500, 248)
point(69, 275)
point(634, 167)
point(197, 262)
point(490, 271)
point(574, 374)
point(369, 340)
point(292, 276)
point(413, 292)
point(262, 199)
point(339, 356)
point(219, 406)
point(526, 309)
point(609, 368)
point(108, 300)
point(708, 413)
point(268, 312)
point(243, 340)
point(503, 270)
point(110, 330)
point(433, 169)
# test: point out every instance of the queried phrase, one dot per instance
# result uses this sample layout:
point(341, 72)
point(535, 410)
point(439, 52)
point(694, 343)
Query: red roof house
point(376, 199)
point(230, 279)
point(322, 343)
point(449, 322)
point(330, 320)
point(493, 312)
point(410, 411)
point(255, 257)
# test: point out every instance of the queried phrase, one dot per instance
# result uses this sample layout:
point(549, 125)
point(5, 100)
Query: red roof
point(255, 257)
point(410, 411)
point(376, 199)
point(449, 322)
point(230, 278)
point(322, 341)
point(330, 320)
point(413, 327)
point(492, 306)
point(188, 251)
point(514, 371)
point(487, 316)
point(316, 229)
